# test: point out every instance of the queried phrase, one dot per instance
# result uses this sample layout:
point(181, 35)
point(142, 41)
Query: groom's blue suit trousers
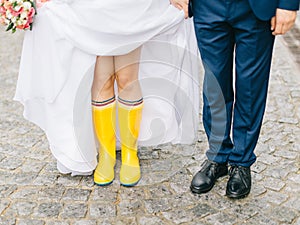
point(229, 35)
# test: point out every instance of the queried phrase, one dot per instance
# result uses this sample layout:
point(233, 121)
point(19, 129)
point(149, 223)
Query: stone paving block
point(244, 211)
point(268, 159)
point(23, 179)
point(7, 221)
point(74, 210)
point(32, 166)
point(289, 120)
point(297, 221)
point(102, 210)
point(54, 193)
point(260, 219)
point(85, 222)
point(46, 179)
point(295, 177)
point(130, 207)
point(3, 205)
point(276, 172)
point(292, 188)
point(50, 167)
point(48, 210)
point(159, 191)
point(11, 150)
point(258, 189)
point(154, 206)
point(126, 220)
point(221, 219)
point(51, 222)
point(6, 190)
point(185, 200)
point(2, 156)
point(107, 221)
point(68, 180)
point(286, 154)
point(31, 222)
point(76, 194)
point(275, 197)
point(146, 153)
point(294, 203)
point(178, 216)
point(87, 182)
point(10, 163)
point(150, 221)
point(273, 184)
point(196, 213)
point(284, 215)
point(258, 167)
point(106, 194)
point(25, 193)
point(21, 208)
point(39, 154)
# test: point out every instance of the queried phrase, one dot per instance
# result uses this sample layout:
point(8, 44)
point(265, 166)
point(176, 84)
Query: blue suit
point(228, 31)
point(265, 9)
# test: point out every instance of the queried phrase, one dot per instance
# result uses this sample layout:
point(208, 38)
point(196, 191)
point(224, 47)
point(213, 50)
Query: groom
point(240, 30)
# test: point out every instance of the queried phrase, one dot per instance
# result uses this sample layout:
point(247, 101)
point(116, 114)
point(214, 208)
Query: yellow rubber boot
point(104, 117)
point(129, 122)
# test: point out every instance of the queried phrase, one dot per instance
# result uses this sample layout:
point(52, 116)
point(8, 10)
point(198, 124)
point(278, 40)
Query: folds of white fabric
point(57, 64)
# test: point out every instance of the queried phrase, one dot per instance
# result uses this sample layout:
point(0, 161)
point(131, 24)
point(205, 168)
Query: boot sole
point(130, 185)
point(103, 184)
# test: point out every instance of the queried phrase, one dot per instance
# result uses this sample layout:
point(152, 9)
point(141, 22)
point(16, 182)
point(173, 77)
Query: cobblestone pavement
point(33, 192)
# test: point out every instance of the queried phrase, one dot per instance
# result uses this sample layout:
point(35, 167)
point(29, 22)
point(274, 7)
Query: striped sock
point(104, 103)
point(130, 103)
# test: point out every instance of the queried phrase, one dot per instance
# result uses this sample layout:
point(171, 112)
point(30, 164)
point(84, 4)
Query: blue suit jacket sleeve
point(289, 4)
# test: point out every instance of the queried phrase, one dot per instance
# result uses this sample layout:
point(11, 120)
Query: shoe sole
point(235, 196)
point(198, 191)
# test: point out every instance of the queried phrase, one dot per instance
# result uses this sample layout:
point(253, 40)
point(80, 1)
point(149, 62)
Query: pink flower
point(15, 13)
point(40, 3)
point(31, 12)
point(24, 27)
point(2, 10)
point(7, 4)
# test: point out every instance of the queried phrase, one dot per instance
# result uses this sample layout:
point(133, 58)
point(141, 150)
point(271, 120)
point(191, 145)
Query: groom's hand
point(283, 21)
point(181, 5)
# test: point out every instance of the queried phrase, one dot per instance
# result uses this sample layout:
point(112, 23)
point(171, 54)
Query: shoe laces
point(209, 167)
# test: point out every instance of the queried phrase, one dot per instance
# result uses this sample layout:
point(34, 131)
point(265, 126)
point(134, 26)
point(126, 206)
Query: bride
point(81, 54)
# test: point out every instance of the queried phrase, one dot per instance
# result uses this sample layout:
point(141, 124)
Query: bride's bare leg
point(103, 84)
point(104, 116)
point(130, 105)
point(126, 71)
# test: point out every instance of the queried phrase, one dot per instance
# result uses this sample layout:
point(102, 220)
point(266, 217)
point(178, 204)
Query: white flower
point(17, 8)
point(8, 14)
point(23, 15)
point(26, 5)
point(14, 19)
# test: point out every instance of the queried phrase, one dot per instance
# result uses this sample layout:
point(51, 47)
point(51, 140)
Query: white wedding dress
point(57, 64)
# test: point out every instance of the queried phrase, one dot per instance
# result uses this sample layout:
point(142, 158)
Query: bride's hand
point(181, 5)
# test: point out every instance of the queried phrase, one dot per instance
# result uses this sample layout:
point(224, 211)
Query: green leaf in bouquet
point(33, 4)
point(10, 26)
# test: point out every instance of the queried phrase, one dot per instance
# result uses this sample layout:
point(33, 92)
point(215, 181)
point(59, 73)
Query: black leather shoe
point(205, 179)
point(239, 183)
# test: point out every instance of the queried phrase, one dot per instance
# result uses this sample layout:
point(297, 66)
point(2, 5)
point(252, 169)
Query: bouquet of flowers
point(18, 14)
